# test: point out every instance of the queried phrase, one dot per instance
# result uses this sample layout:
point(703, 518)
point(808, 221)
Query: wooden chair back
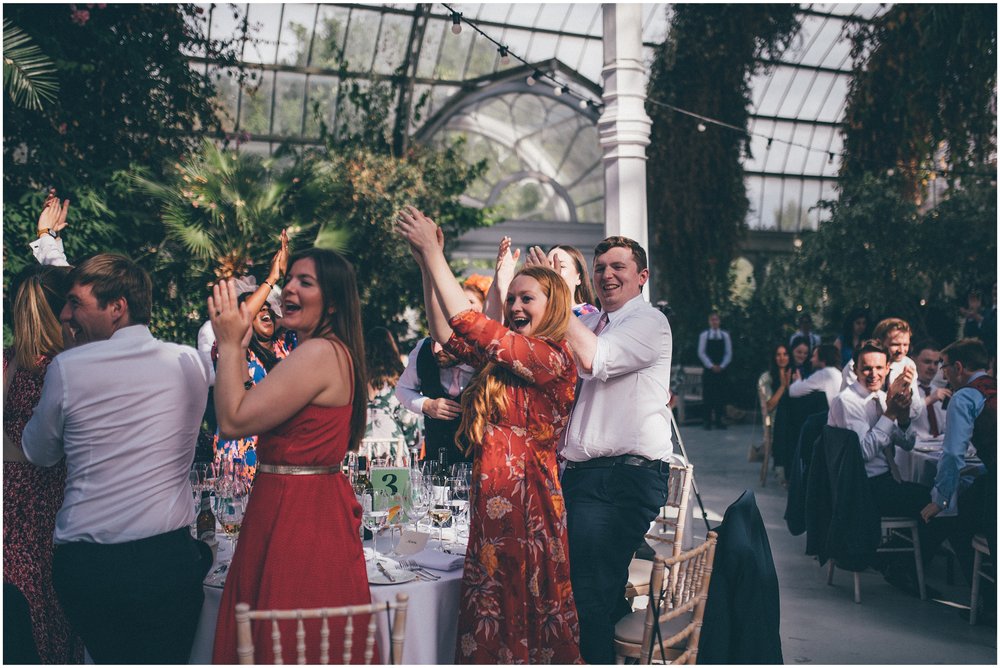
point(244, 635)
point(683, 590)
point(671, 524)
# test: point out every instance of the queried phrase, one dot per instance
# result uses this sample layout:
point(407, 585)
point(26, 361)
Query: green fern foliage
point(28, 74)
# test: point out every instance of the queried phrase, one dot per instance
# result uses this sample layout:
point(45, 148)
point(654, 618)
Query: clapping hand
point(506, 261)
point(230, 319)
point(53, 216)
point(536, 256)
point(279, 263)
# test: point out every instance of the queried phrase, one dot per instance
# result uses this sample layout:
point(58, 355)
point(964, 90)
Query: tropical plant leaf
point(28, 74)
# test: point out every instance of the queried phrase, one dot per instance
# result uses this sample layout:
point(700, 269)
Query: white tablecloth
point(431, 619)
point(920, 466)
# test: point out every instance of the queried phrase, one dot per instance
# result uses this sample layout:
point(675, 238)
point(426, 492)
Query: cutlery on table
point(382, 569)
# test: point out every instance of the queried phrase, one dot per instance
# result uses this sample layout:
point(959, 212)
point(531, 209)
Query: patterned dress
point(388, 419)
point(584, 309)
point(517, 603)
point(246, 447)
point(31, 497)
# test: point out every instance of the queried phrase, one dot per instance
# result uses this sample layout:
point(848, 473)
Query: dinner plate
point(399, 575)
point(927, 448)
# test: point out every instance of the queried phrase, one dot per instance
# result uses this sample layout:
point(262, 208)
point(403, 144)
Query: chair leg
point(857, 587)
point(829, 576)
point(919, 562)
point(977, 563)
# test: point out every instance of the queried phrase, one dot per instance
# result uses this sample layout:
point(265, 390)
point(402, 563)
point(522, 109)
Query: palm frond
point(334, 238)
point(28, 74)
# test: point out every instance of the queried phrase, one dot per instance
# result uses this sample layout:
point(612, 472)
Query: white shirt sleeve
point(42, 440)
point(49, 251)
point(633, 344)
point(702, 354)
point(408, 386)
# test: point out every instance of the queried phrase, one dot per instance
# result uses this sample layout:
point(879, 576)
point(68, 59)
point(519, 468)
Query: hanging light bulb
point(456, 23)
point(504, 55)
point(584, 103)
point(701, 127)
point(557, 90)
point(533, 78)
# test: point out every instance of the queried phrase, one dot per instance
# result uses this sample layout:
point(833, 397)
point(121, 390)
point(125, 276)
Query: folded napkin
point(438, 561)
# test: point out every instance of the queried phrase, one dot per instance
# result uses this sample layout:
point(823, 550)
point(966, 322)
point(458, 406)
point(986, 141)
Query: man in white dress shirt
point(893, 336)
point(617, 441)
point(124, 409)
point(825, 377)
point(930, 423)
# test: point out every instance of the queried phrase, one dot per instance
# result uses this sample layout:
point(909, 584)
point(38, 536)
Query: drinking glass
point(374, 517)
point(421, 499)
point(441, 511)
point(231, 517)
point(459, 501)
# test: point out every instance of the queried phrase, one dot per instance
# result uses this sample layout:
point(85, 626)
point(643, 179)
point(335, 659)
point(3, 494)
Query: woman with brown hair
point(569, 263)
point(387, 419)
point(32, 495)
point(300, 544)
point(517, 603)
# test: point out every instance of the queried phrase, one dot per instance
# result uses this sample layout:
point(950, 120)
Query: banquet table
point(431, 620)
point(920, 466)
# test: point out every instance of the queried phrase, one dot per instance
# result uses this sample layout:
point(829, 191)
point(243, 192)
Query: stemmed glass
point(441, 511)
point(231, 517)
point(421, 499)
point(374, 517)
point(460, 501)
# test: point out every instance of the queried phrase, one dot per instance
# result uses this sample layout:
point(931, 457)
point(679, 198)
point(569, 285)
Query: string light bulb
point(456, 23)
point(701, 127)
point(533, 78)
point(504, 55)
point(557, 90)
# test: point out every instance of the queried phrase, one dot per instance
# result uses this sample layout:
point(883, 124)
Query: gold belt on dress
point(282, 469)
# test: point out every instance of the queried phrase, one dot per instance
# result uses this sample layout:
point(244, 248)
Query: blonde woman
point(517, 603)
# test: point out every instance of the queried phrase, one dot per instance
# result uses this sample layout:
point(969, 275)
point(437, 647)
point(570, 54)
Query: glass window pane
point(263, 21)
point(329, 42)
point(290, 89)
point(296, 33)
point(255, 112)
point(227, 93)
point(392, 43)
point(434, 35)
point(361, 40)
point(322, 103)
point(551, 17)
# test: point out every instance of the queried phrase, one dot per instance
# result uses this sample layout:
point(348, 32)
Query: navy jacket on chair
point(798, 476)
point(742, 615)
point(842, 522)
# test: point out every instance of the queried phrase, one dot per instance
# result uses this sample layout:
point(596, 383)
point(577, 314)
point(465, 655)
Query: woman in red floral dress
point(517, 603)
point(31, 494)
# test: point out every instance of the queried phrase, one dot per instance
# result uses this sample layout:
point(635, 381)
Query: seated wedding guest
point(825, 376)
point(516, 576)
point(893, 335)
point(32, 494)
point(387, 419)
point(431, 385)
point(569, 263)
point(801, 351)
point(772, 387)
point(972, 419)
point(300, 544)
point(931, 422)
point(715, 350)
point(852, 333)
point(805, 332)
point(123, 408)
point(267, 347)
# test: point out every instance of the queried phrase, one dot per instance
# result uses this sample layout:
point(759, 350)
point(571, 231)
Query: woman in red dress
point(517, 603)
point(32, 494)
point(300, 544)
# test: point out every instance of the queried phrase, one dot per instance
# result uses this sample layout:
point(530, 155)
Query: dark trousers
point(608, 512)
point(907, 499)
point(715, 388)
point(135, 602)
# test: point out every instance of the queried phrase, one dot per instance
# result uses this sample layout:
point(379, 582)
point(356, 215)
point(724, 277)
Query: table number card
point(394, 481)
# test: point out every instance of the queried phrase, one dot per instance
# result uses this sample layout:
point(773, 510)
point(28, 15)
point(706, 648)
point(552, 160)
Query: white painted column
point(624, 127)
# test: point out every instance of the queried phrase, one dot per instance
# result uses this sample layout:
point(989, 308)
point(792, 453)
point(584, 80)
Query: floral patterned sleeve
point(538, 361)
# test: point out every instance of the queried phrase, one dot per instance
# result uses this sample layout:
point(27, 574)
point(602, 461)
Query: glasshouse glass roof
point(541, 147)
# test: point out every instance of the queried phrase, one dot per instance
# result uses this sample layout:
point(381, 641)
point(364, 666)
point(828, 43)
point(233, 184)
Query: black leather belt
point(620, 460)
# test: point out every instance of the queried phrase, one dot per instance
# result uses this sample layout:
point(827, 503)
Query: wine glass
point(459, 501)
point(421, 499)
point(375, 516)
point(441, 511)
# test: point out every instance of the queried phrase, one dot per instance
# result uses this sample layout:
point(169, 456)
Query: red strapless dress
point(300, 544)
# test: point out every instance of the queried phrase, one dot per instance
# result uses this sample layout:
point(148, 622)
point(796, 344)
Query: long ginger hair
point(485, 400)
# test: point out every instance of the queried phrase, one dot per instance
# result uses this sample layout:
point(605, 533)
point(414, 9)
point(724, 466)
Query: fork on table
point(411, 565)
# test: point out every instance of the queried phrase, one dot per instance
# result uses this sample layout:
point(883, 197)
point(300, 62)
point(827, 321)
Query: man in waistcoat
point(715, 350)
point(432, 385)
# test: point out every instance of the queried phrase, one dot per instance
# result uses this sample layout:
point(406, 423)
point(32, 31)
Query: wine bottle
point(363, 483)
point(440, 482)
point(205, 524)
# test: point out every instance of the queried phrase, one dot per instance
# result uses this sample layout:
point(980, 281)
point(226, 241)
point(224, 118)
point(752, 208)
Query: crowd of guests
point(557, 393)
point(894, 394)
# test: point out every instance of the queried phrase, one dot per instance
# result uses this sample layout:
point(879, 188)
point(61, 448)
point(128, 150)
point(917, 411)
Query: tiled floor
point(821, 624)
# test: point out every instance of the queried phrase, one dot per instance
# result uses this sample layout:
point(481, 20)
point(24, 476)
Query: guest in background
point(931, 422)
point(856, 328)
point(387, 419)
point(32, 494)
point(124, 410)
point(973, 314)
point(715, 350)
point(824, 378)
point(801, 352)
point(772, 389)
point(300, 543)
point(517, 604)
point(569, 263)
point(476, 286)
point(805, 331)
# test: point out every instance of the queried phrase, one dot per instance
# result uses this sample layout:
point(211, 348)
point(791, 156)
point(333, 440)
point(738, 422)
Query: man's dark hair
point(638, 254)
point(112, 276)
point(922, 345)
point(869, 346)
point(829, 355)
point(970, 352)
